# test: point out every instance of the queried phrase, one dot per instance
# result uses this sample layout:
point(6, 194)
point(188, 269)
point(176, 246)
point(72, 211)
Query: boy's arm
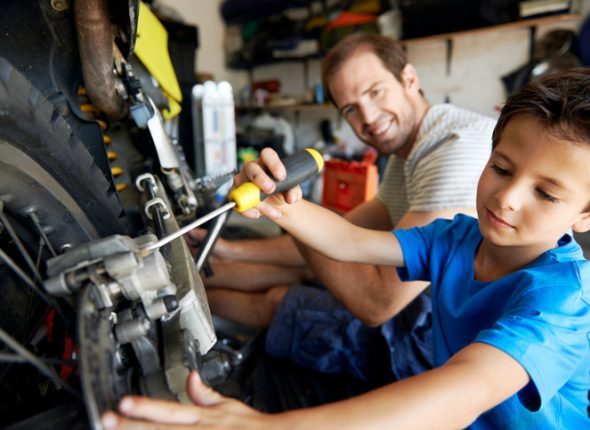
point(452, 396)
point(475, 380)
point(334, 236)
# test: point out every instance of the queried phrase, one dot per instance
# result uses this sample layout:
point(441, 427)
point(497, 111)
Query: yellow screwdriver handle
point(300, 166)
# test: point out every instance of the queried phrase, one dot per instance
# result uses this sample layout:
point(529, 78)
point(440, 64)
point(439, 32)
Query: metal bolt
point(130, 330)
point(60, 5)
point(65, 248)
point(171, 303)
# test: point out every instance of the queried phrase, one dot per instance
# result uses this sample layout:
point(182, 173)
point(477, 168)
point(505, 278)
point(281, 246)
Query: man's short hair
point(560, 102)
point(388, 50)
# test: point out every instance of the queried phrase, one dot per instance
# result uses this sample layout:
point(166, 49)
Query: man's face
point(533, 189)
point(377, 106)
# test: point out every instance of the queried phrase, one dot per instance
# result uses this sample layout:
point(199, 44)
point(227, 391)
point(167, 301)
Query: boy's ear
point(583, 223)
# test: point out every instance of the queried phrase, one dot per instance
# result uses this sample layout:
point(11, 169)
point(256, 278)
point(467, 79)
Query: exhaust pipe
point(95, 43)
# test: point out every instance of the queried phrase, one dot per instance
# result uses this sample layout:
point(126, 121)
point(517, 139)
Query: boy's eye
point(499, 170)
point(545, 196)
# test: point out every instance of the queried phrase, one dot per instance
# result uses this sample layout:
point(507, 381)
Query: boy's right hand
point(256, 172)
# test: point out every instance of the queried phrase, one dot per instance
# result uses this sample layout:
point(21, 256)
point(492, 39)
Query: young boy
point(511, 292)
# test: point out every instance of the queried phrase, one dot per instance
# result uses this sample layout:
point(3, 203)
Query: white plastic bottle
point(228, 130)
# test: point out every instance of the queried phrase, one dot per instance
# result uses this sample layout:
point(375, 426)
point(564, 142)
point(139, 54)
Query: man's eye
point(347, 111)
point(499, 170)
point(376, 92)
point(546, 196)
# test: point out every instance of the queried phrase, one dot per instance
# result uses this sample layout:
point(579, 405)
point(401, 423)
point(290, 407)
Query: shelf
point(244, 65)
point(530, 24)
point(525, 23)
point(287, 108)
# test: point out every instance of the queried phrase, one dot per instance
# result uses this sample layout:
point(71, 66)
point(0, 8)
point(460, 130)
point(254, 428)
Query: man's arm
point(370, 214)
point(448, 397)
point(239, 275)
point(373, 293)
point(279, 250)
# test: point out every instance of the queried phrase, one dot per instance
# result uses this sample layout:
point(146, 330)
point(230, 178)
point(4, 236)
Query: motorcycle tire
point(54, 197)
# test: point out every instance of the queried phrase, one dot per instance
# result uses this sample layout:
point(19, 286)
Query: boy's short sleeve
point(422, 247)
point(415, 245)
point(541, 330)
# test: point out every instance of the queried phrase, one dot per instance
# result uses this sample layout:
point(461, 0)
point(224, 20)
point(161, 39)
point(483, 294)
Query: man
point(437, 153)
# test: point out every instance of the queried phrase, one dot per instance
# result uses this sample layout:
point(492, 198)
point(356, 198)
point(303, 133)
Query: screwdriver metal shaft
point(182, 231)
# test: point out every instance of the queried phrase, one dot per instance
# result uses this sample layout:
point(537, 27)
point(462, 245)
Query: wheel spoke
point(16, 358)
point(35, 361)
point(39, 253)
point(25, 278)
point(18, 243)
point(44, 237)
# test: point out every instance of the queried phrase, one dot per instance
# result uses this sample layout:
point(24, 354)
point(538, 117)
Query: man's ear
point(410, 78)
point(583, 223)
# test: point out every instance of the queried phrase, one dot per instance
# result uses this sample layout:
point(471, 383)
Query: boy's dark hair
point(389, 51)
point(560, 102)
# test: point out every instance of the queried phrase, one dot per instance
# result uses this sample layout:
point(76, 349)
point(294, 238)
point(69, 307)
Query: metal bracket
point(145, 177)
point(153, 202)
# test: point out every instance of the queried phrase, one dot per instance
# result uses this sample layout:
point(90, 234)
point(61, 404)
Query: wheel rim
point(26, 188)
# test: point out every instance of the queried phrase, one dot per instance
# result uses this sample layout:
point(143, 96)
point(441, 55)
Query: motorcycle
point(92, 177)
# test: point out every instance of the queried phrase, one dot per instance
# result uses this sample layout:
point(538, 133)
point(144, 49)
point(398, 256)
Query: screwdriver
point(300, 166)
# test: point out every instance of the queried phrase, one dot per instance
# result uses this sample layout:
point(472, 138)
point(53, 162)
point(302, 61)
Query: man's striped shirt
point(443, 168)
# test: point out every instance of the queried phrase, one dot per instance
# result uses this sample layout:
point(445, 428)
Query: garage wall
point(478, 62)
point(205, 15)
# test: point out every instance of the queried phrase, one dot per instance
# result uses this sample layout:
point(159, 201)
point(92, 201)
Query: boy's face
point(534, 188)
point(377, 106)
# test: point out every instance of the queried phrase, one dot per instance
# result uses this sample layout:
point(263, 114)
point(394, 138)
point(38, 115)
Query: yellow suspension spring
point(92, 112)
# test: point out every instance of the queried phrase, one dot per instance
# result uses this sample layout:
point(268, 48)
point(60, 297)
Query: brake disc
point(104, 376)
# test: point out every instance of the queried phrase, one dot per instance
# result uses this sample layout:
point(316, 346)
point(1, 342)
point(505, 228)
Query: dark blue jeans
point(316, 332)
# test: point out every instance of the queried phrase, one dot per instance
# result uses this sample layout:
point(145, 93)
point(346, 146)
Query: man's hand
point(256, 172)
point(210, 409)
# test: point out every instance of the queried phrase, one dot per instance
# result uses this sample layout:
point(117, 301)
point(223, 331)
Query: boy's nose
point(509, 197)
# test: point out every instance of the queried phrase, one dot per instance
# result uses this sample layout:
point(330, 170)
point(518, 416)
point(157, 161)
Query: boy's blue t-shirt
point(540, 315)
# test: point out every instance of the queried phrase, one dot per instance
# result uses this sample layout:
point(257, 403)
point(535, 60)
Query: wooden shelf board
point(295, 107)
point(532, 22)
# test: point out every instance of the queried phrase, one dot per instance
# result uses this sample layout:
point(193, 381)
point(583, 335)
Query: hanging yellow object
point(116, 171)
point(366, 6)
point(151, 47)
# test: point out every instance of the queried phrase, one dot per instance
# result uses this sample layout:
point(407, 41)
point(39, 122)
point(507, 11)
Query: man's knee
point(272, 298)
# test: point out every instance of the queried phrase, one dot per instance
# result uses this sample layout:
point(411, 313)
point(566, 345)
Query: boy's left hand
point(210, 409)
